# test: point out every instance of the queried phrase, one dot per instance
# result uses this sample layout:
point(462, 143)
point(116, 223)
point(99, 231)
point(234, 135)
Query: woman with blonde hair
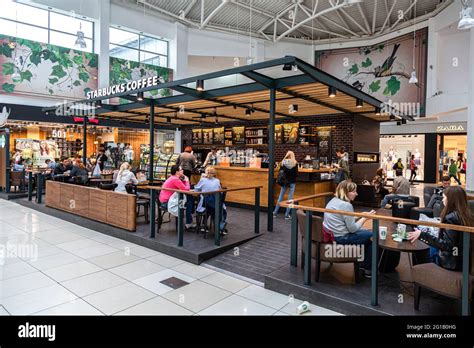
point(124, 177)
point(287, 180)
point(346, 229)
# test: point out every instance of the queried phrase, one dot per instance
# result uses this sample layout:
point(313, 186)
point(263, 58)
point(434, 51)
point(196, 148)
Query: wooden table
point(404, 246)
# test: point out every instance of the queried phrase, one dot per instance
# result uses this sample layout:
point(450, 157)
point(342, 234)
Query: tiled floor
point(53, 267)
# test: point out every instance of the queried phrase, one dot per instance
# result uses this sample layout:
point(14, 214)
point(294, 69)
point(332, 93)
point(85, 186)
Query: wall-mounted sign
point(58, 133)
point(124, 87)
point(450, 128)
point(4, 116)
point(81, 120)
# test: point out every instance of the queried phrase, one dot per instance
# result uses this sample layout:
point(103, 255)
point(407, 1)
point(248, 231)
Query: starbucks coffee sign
point(124, 87)
point(450, 128)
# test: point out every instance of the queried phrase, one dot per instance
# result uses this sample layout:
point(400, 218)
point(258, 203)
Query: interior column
point(470, 119)
point(271, 159)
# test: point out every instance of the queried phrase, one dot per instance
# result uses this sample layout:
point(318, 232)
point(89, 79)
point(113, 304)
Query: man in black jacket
point(63, 167)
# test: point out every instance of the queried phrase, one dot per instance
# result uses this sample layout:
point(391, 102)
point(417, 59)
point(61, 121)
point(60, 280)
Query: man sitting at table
point(400, 190)
point(178, 181)
point(437, 196)
point(63, 167)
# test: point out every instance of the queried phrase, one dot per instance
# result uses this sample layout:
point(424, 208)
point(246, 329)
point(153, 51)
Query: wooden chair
point(17, 180)
point(318, 248)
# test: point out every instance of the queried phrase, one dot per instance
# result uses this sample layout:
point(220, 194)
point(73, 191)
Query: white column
point(177, 141)
point(470, 119)
point(102, 42)
point(178, 51)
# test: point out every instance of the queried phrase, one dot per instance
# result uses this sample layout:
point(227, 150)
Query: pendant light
point(332, 91)
point(413, 78)
point(80, 41)
point(466, 21)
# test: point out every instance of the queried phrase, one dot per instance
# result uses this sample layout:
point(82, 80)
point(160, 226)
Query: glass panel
point(71, 25)
point(395, 147)
point(23, 31)
point(124, 38)
point(67, 40)
point(24, 13)
point(123, 53)
point(153, 59)
point(153, 45)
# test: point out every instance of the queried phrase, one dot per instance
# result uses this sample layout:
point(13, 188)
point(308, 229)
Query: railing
point(217, 196)
point(294, 206)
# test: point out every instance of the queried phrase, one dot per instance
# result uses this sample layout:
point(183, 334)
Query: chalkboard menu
point(278, 134)
point(238, 135)
point(207, 136)
point(197, 136)
point(324, 144)
point(218, 136)
point(228, 136)
point(290, 133)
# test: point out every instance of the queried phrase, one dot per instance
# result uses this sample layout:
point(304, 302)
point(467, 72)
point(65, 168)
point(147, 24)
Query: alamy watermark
point(401, 108)
point(67, 108)
point(24, 251)
point(344, 251)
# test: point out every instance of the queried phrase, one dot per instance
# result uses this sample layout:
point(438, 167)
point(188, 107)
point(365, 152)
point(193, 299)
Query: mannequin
point(419, 162)
point(128, 153)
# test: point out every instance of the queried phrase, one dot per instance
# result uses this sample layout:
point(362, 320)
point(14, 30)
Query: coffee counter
point(308, 183)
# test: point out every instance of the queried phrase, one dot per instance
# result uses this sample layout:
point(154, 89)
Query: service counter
point(308, 183)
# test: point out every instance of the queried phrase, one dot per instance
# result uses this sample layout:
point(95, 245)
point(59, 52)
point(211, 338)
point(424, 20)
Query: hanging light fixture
point(80, 41)
point(332, 91)
point(377, 111)
point(466, 21)
point(413, 78)
point(168, 119)
point(359, 103)
point(248, 112)
point(200, 85)
point(140, 96)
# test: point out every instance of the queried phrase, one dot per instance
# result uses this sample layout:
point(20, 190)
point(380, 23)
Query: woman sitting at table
point(446, 248)
point(346, 229)
point(79, 172)
point(209, 183)
point(125, 177)
point(379, 181)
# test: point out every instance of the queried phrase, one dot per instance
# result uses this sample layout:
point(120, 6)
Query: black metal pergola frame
point(310, 74)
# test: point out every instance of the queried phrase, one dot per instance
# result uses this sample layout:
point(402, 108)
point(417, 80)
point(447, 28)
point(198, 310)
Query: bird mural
point(386, 68)
point(4, 116)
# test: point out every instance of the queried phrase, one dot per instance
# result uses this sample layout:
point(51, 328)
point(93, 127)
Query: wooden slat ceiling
point(308, 97)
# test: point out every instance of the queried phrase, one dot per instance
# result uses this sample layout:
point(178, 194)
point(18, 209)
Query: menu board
point(36, 152)
point(197, 136)
point(228, 136)
point(207, 136)
point(278, 134)
point(238, 135)
point(218, 136)
point(324, 143)
point(290, 133)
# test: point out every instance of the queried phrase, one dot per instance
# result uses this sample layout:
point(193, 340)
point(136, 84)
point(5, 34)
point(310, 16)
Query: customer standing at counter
point(342, 165)
point(289, 173)
point(101, 159)
point(211, 158)
point(346, 229)
point(187, 162)
point(124, 177)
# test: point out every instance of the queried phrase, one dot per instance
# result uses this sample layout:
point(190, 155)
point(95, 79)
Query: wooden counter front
point(113, 208)
point(240, 176)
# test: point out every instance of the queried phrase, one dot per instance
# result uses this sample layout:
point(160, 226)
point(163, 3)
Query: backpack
point(282, 180)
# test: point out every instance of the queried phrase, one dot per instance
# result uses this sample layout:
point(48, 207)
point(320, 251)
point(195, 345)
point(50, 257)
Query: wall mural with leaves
point(122, 71)
point(382, 70)
point(32, 68)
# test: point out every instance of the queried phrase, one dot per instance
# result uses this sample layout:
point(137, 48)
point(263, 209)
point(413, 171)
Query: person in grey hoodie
point(290, 169)
point(346, 229)
point(187, 161)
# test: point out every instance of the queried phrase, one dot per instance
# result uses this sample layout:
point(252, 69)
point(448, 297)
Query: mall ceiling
point(306, 20)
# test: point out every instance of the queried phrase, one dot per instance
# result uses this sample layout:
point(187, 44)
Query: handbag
point(282, 180)
point(328, 236)
point(173, 204)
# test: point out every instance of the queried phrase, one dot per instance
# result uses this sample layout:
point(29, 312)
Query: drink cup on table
point(383, 232)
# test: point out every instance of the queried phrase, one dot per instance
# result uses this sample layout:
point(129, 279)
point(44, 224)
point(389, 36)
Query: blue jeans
point(361, 237)
point(434, 255)
point(282, 195)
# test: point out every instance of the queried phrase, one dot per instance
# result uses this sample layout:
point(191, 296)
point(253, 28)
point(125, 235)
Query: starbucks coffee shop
point(255, 123)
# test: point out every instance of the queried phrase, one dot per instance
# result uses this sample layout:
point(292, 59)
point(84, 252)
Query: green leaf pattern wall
point(33, 68)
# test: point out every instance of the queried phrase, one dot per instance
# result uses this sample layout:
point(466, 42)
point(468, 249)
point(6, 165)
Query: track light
point(332, 91)
point(217, 120)
point(377, 111)
point(235, 107)
point(140, 96)
point(359, 103)
point(392, 117)
point(399, 123)
point(404, 121)
point(287, 66)
point(168, 119)
point(248, 112)
point(98, 103)
point(200, 85)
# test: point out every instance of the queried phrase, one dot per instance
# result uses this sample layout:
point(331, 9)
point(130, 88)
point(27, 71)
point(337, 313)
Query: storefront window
point(395, 147)
point(453, 148)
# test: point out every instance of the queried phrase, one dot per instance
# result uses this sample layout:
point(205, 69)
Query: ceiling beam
point(404, 14)
point(364, 17)
point(213, 13)
point(374, 16)
point(339, 26)
point(388, 16)
point(353, 20)
point(159, 9)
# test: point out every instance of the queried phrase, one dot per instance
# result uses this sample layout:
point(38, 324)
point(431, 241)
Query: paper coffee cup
point(383, 232)
point(302, 308)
